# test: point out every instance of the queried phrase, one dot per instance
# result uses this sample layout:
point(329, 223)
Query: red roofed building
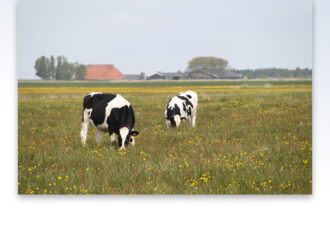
point(103, 72)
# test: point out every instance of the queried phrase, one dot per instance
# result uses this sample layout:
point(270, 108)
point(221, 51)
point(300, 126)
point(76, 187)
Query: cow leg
point(84, 131)
point(167, 123)
point(123, 132)
point(193, 120)
point(189, 120)
point(111, 134)
point(98, 135)
point(112, 138)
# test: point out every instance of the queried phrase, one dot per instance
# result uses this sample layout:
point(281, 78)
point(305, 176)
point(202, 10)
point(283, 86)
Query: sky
point(147, 35)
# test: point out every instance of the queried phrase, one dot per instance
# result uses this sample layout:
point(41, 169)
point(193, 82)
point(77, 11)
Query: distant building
point(132, 77)
point(103, 72)
point(144, 76)
point(196, 74)
point(157, 76)
point(231, 75)
point(166, 76)
point(173, 76)
point(199, 74)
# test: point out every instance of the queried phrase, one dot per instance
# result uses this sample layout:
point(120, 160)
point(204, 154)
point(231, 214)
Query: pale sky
point(146, 35)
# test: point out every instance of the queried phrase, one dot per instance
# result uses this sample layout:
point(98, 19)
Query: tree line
point(218, 66)
point(59, 69)
point(274, 73)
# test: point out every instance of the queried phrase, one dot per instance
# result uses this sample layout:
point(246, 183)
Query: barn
point(199, 74)
point(103, 72)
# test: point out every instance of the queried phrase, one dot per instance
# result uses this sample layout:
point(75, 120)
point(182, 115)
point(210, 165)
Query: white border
point(164, 212)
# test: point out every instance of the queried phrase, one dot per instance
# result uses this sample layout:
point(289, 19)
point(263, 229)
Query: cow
point(180, 107)
point(108, 113)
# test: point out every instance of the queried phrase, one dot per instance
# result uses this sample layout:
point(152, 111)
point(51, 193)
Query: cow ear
point(134, 133)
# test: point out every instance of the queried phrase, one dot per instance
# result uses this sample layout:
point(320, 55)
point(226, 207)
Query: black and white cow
point(181, 106)
point(108, 113)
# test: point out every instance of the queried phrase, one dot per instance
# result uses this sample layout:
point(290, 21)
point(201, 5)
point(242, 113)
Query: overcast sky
point(146, 35)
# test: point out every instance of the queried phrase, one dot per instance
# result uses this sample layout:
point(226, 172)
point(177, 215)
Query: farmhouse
point(103, 72)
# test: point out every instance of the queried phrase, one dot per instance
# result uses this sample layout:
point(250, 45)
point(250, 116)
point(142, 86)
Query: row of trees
point(218, 67)
point(59, 69)
point(275, 73)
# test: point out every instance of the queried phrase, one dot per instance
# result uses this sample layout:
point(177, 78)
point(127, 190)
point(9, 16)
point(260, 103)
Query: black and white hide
point(181, 106)
point(108, 113)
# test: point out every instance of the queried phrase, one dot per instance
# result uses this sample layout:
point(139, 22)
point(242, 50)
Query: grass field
point(250, 138)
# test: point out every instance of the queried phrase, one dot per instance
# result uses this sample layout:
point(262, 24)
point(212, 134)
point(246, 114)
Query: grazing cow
point(108, 113)
point(181, 106)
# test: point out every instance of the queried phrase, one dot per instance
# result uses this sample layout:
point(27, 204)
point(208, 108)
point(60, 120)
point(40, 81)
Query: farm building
point(196, 74)
point(157, 76)
point(103, 72)
point(166, 76)
point(173, 76)
point(200, 74)
point(231, 75)
point(130, 77)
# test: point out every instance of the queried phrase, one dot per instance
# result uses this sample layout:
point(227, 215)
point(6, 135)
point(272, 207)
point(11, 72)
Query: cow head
point(173, 116)
point(125, 137)
point(130, 137)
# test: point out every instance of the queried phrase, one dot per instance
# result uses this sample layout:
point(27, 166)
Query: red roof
point(102, 72)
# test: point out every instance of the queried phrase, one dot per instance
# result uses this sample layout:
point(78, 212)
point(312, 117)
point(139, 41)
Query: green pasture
point(258, 143)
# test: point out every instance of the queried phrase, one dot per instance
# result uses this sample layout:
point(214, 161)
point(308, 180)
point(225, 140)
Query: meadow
point(252, 137)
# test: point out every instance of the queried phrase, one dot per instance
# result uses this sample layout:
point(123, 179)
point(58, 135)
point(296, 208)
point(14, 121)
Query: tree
point(275, 73)
point(41, 67)
point(80, 71)
point(68, 70)
point(211, 65)
point(52, 68)
point(61, 69)
point(64, 69)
